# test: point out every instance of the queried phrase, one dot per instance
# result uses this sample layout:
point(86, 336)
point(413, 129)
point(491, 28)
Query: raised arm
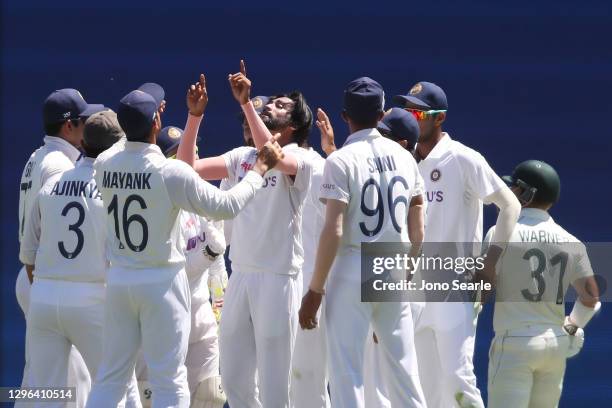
point(192, 194)
point(241, 89)
point(212, 168)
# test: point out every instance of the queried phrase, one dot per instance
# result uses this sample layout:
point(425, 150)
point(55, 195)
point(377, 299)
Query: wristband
point(581, 314)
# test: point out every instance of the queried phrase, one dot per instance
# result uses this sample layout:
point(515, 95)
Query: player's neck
point(426, 146)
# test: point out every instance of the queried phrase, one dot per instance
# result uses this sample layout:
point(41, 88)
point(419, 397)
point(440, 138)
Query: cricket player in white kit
point(64, 245)
point(309, 363)
point(533, 337)
point(147, 287)
point(62, 113)
point(259, 324)
point(457, 181)
point(354, 180)
point(203, 245)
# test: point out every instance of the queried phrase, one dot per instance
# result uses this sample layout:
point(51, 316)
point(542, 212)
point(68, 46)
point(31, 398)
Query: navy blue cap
point(364, 99)
point(155, 90)
point(423, 96)
point(401, 125)
point(63, 105)
point(136, 114)
point(169, 138)
point(92, 109)
point(260, 102)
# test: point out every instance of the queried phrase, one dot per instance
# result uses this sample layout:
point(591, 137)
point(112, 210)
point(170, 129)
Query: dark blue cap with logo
point(93, 109)
point(169, 138)
point(364, 99)
point(259, 103)
point(63, 105)
point(136, 114)
point(423, 96)
point(400, 125)
point(155, 90)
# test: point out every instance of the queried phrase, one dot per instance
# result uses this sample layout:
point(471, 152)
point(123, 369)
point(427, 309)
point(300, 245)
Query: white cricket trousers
point(375, 391)
point(78, 376)
point(444, 339)
point(309, 367)
point(348, 322)
point(155, 316)
point(257, 335)
point(526, 368)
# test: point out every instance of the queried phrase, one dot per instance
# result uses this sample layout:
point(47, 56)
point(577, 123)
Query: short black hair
point(53, 129)
point(363, 123)
point(139, 137)
point(301, 116)
point(92, 152)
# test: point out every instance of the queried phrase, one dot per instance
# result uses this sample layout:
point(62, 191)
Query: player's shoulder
point(463, 152)
point(241, 151)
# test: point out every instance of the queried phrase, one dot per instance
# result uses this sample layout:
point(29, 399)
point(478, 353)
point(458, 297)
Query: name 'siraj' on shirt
point(132, 181)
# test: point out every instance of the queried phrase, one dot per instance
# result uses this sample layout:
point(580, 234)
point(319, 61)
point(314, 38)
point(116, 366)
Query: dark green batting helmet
point(539, 181)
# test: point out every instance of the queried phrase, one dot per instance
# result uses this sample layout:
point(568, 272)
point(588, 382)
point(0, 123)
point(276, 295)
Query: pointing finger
point(242, 67)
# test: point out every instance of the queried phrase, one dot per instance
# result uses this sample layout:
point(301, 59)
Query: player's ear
point(440, 118)
point(344, 116)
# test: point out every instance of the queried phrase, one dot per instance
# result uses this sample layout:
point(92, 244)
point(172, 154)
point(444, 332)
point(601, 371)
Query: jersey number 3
point(126, 221)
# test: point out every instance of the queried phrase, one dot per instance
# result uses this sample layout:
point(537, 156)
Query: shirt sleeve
point(189, 192)
point(31, 234)
point(335, 181)
point(479, 176)
point(302, 178)
point(232, 161)
point(582, 264)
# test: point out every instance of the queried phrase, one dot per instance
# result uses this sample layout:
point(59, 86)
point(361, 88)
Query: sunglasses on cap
point(420, 115)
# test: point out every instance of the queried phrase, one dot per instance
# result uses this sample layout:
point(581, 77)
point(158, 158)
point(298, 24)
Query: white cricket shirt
point(535, 271)
point(143, 193)
point(65, 232)
point(377, 178)
point(54, 157)
point(266, 235)
point(457, 179)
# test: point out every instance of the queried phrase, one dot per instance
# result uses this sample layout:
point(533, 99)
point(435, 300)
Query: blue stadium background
point(524, 80)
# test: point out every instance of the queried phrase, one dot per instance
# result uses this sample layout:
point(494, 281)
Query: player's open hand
point(197, 97)
point(308, 311)
point(240, 84)
point(269, 155)
point(327, 132)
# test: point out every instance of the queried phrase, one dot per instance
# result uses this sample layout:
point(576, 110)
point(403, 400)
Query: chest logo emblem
point(435, 175)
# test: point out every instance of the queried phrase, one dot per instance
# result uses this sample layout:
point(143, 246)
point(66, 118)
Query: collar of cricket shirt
point(362, 135)
point(535, 213)
point(57, 143)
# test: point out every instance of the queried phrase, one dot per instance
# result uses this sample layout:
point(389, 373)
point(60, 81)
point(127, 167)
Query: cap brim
point(92, 109)
point(509, 180)
point(155, 90)
point(408, 101)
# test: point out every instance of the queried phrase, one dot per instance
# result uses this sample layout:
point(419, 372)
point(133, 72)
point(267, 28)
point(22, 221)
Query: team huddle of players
point(121, 237)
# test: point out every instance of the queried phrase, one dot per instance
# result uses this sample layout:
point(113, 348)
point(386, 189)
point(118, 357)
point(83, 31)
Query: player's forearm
point(187, 147)
point(30, 272)
point(509, 210)
point(260, 132)
point(326, 253)
point(227, 204)
point(416, 228)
